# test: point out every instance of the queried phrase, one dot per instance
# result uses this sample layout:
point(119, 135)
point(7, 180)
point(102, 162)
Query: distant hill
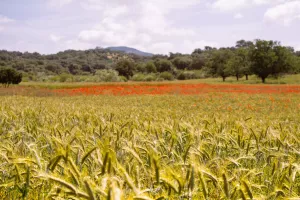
point(129, 50)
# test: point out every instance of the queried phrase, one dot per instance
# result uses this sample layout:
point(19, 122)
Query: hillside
point(129, 50)
point(73, 62)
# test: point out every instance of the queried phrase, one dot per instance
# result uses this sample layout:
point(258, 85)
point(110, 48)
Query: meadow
point(181, 140)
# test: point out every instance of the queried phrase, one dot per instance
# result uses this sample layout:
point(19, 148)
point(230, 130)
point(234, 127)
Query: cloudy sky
point(157, 26)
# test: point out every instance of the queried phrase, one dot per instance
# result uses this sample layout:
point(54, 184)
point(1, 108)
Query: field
point(182, 140)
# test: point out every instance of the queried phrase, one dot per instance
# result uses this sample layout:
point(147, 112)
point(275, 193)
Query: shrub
point(63, 77)
point(150, 77)
point(10, 76)
point(125, 68)
point(182, 62)
point(144, 77)
point(163, 65)
point(138, 77)
point(150, 67)
point(166, 76)
point(123, 79)
point(107, 75)
point(186, 75)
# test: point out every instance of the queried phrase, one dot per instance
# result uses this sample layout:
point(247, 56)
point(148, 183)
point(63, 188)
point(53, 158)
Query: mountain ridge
point(129, 50)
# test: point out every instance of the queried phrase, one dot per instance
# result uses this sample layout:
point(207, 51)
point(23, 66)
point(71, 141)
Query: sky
point(156, 26)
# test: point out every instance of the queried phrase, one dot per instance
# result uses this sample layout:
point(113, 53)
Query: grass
point(287, 79)
point(208, 146)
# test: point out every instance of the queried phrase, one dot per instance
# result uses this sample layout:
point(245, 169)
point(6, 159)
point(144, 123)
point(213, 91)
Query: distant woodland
point(260, 57)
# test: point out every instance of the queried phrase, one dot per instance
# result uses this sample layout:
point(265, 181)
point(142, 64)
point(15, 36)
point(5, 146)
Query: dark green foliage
point(218, 62)
point(150, 67)
point(86, 68)
point(97, 66)
point(163, 65)
point(125, 68)
point(186, 75)
point(270, 58)
point(182, 62)
point(198, 61)
point(243, 44)
point(166, 76)
point(239, 64)
point(73, 68)
point(197, 51)
point(53, 67)
point(9, 76)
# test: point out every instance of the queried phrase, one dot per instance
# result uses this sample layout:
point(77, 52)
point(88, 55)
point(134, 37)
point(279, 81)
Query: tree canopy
point(9, 76)
point(269, 58)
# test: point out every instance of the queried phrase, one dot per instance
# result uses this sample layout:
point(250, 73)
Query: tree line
point(262, 58)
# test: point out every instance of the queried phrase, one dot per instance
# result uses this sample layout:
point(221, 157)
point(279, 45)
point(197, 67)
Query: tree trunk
point(224, 78)
point(237, 77)
point(246, 77)
point(263, 79)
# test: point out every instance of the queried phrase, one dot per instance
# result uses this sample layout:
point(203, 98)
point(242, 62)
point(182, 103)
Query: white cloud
point(238, 16)
point(1, 28)
point(144, 24)
point(59, 3)
point(116, 11)
point(284, 13)
point(4, 19)
point(161, 47)
point(78, 45)
point(157, 26)
point(232, 5)
point(229, 5)
point(55, 38)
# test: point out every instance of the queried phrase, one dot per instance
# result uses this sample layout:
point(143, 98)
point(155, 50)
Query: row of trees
point(260, 57)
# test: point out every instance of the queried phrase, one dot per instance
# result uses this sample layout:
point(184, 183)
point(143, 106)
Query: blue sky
point(157, 26)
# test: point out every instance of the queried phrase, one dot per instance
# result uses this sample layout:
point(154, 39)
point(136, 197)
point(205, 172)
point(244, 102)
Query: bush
point(166, 76)
point(150, 67)
point(182, 62)
point(125, 68)
point(107, 76)
point(186, 75)
point(150, 77)
point(144, 77)
point(63, 77)
point(163, 65)
point(123, 79)
point(10, 76)
point(138, 77)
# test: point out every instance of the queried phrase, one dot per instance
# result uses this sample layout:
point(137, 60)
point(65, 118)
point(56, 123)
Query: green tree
point(239, 63)
point(166, 76)
point(53, 67)
point(9, 76)
point(73, 68)
point(269, 58)
point(197, 51)
point(198, 61)
point(182, 62)
point(243, 44)
point(150, 67)
point(296, 66)
point(125, 68)
point(218, 62)
point(163, 65)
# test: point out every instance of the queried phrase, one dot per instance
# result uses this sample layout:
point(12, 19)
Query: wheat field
point(208, 146)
